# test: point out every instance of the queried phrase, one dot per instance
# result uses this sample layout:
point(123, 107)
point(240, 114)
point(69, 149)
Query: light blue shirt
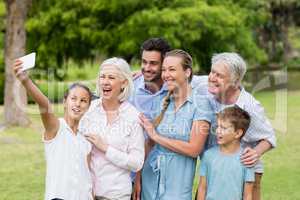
point(225, 175)
point(259, 129)
point(145, 101)
point(149, 103)
point(166, 174)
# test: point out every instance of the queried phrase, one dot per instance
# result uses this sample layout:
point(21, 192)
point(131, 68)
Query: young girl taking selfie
point(66, 151)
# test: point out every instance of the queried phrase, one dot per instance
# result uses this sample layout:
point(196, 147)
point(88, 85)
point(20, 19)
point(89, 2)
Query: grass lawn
point(22, 165)
point(282, 165)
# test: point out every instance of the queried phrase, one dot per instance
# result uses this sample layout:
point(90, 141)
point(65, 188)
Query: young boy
point(222, 175)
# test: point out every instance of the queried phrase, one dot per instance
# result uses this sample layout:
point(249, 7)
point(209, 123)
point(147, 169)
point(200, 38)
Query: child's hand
point(17, 68)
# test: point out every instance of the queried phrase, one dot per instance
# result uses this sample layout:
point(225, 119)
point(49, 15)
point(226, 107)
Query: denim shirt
point(145, 101)
point(150, 103)
point(167, 174)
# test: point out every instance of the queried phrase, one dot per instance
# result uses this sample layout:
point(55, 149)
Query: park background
point(72, 37)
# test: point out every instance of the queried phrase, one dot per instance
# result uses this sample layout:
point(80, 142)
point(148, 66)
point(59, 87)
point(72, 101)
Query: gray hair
point(234, 62)
point(123, 67)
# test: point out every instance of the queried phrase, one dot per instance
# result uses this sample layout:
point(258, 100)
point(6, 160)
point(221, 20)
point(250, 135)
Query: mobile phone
point(28, 61)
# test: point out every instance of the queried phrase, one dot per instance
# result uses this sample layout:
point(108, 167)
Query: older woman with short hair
point(112, 126)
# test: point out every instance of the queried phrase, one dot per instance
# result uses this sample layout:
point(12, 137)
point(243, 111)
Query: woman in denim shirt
point(177, 136)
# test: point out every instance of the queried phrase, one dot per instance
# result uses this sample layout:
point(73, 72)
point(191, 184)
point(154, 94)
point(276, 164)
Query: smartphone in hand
point(28, 61)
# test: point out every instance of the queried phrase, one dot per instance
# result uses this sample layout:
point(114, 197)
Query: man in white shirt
point(224, 89)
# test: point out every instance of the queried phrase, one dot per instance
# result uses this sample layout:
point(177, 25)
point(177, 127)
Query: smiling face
point(76, 103)
point(151, 66)
point(173, 73)
point(226, 133)
point(111, 82)
point(219, 80)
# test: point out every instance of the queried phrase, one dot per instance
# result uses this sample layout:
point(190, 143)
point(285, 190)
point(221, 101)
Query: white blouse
point(125, 153)
point(68, 175)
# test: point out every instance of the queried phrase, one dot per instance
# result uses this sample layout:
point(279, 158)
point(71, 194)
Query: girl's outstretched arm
point(50, 122)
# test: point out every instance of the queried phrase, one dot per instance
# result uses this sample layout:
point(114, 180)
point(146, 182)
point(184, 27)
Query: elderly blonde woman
point(112, 126)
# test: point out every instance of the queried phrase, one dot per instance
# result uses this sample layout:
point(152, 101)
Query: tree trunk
point(15, 100)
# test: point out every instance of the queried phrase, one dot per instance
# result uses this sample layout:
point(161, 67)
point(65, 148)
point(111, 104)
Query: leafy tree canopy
point(80, 30)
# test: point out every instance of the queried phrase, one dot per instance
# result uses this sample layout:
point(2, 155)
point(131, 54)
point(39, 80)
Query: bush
point(294, 64)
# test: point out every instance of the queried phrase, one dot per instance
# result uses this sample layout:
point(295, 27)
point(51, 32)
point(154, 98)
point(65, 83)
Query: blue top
point(145, 101)
point(166, 174)
point(149, 103)
point(259, 129)
point(225, 175)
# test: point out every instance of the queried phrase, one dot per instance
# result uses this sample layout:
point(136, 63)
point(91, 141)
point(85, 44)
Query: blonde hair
point(187, 63)
point(123, 67)
point(166, 102)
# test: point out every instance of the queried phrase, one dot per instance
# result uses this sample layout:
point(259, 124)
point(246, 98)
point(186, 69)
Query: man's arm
point(248, 189)
point(202, 188)
point(137, 187)
point(251, 155)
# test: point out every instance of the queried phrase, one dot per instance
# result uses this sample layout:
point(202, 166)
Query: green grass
point(294, 33)
point(282, 172)
point(22, 165)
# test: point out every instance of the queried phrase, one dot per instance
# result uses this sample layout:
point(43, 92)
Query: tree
point(75, 29)
point(273, 35)
point(15, 100)
point(83, 29)
point(198, 27)
point(2, 31)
